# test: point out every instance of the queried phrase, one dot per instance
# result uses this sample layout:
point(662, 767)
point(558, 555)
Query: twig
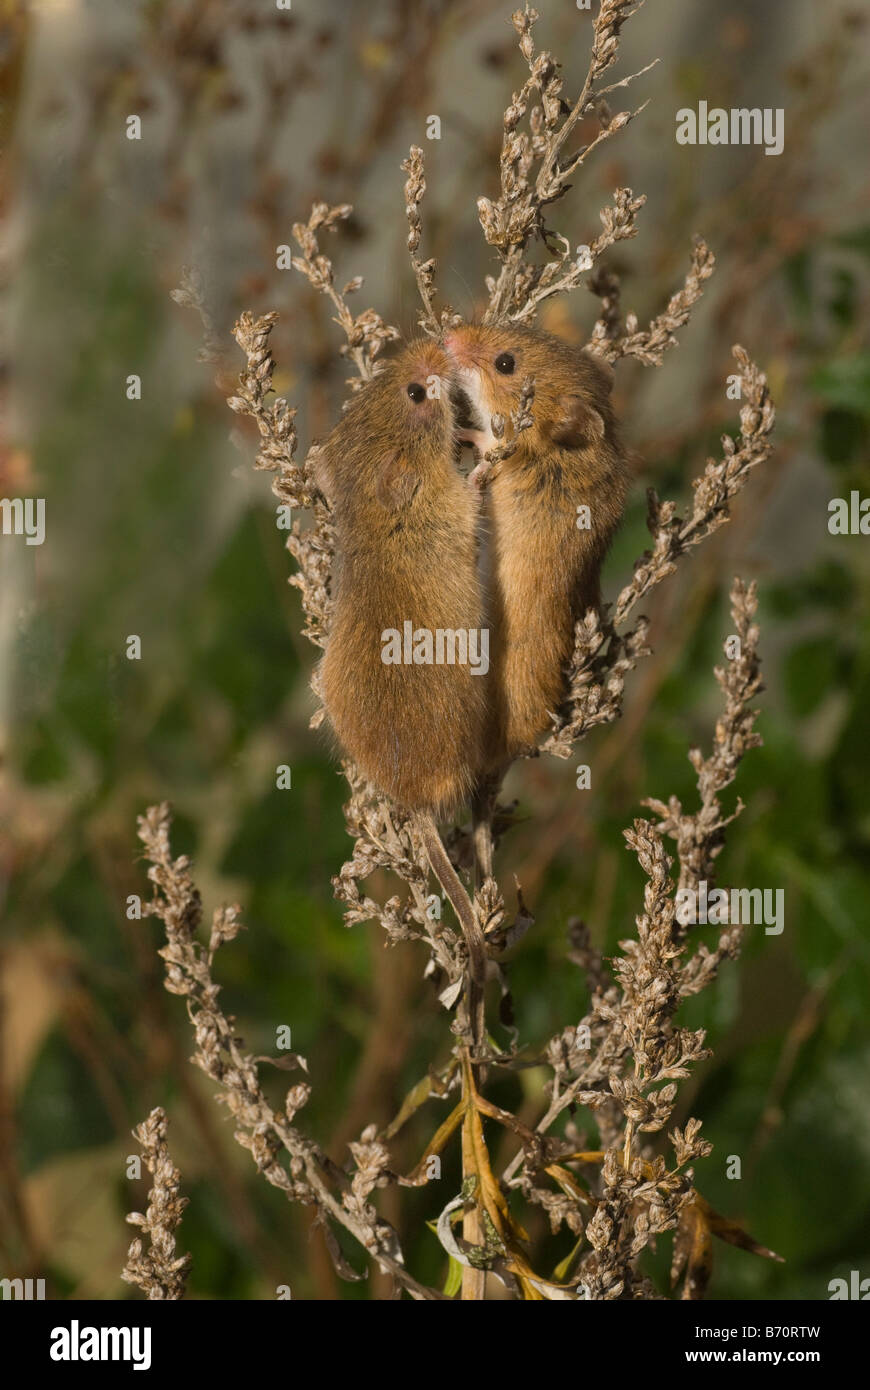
point(613, 340)
point(366, 333)
point(534, 172)
point(159, 1272)
point(602, 656)
point(312, 1177)
point(415, 188)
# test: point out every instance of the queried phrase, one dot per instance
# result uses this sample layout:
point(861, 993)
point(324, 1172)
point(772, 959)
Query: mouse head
point(395, 432)
point(571, 407)
point(419, 379)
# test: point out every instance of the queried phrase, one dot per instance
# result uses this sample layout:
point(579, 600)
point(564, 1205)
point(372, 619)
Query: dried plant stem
point(415, 188)
point(623, 1061)
point(160, 1273)
point(312, 1177)
point(516, 216)
point(473, 1280)
point(603, 656)
point(464, 909)
point(612, 339)
point(699, 837)
point(366, 333)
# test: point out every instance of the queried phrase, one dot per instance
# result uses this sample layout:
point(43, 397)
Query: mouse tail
point(482, 806)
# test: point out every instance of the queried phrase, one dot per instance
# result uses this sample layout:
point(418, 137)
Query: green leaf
point(453, 1282)
point(564, 1267)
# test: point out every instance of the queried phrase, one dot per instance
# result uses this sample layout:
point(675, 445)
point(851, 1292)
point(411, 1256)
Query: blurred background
point(156, 526)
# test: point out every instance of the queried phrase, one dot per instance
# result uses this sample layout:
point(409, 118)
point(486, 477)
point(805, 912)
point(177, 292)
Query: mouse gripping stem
point(454, 891)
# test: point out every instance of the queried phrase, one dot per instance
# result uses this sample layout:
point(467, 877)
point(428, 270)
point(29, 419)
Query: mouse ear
point(577, 422)
point(397, 482)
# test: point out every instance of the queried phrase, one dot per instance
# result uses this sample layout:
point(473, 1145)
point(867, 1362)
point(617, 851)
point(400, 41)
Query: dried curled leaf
point(693, 1246)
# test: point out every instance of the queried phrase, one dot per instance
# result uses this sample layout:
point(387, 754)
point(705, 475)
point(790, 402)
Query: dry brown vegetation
point(622, 1062)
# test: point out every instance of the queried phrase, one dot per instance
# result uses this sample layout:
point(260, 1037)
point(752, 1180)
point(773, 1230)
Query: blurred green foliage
point(152, 533)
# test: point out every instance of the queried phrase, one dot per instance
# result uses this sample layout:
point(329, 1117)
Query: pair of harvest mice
point(419, 550)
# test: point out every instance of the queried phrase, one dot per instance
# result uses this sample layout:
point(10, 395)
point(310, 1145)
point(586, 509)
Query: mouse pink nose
point(454, 346)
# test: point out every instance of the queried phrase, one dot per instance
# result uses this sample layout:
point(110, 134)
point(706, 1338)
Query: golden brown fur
point(543, 570)
point(406, 550)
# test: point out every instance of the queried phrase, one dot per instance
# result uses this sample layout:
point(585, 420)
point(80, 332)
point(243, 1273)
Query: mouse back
point(404, 672)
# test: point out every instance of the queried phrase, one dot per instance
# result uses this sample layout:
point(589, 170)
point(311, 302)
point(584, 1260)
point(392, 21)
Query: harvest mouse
point(404, 674)
point(408, 708)
point(552, 507)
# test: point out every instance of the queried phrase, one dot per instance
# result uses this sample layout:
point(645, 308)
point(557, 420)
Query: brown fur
point(543, 571)
point(406, 550)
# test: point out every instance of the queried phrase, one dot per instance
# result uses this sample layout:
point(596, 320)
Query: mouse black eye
point(504, 363)
point(417, 392)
